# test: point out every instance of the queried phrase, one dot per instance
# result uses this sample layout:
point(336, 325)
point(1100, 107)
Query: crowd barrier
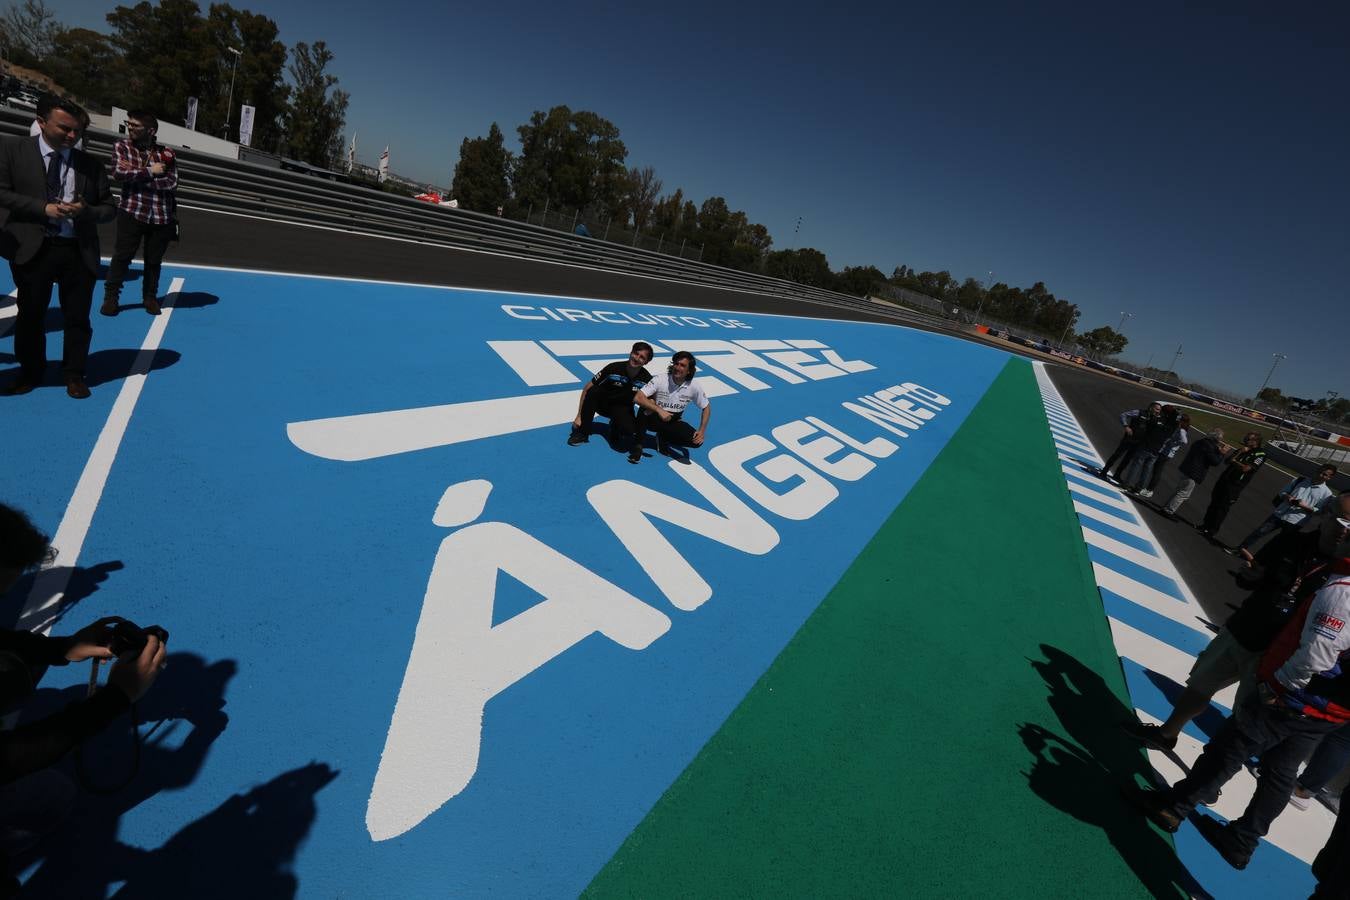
point(237, 187)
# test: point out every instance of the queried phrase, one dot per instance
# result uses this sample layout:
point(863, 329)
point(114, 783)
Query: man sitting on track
point(610, 393)
point(663, 401)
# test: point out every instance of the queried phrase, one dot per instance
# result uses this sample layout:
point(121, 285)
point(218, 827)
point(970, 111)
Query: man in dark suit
point(56, 196)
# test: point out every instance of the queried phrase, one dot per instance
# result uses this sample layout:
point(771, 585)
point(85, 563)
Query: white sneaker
point(1300, 799)
point(1146, 494)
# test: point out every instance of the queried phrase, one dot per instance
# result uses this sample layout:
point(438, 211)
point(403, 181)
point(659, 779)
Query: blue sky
point(1182, 162)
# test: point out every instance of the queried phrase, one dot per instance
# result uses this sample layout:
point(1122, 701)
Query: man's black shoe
point(635, 457)
point(17, 387)
point(1150, 736)
point(1223, 841)
point(76, 389)
point(577, 437)
point(1153, 806)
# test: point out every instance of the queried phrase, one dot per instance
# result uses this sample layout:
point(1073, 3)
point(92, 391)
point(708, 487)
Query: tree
point(481, 175)
point(28, 31)
point(805, 265)
point(87, 65)
point(643, 189)
point(1104, 341)
point(1274, 397)
point(572, 159)
point(169, 56)
point(259, 79)
point(318, 110)
point(859, 281)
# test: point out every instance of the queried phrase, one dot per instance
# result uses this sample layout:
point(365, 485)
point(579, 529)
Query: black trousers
point(130, 233)
point(58, 263)
point(1282, 739)
point(1332, 865)
point(676, 431)
point(1121, 456)
point(1220, 502)
point(622, 423)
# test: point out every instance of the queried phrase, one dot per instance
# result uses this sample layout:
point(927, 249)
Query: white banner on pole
point(245, 125)
point(351, 155)
point(191, 122)
point(384, 165)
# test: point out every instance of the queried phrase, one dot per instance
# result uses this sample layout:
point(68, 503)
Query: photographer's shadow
point(183, 714)
point(1081, 771)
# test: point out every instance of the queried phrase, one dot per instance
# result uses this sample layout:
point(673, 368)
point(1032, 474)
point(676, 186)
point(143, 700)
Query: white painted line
point(1125, 551)
point(1144, 595)
point(50, 585)
point(1091, 512)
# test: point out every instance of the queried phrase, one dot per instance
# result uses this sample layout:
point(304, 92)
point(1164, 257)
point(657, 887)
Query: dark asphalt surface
point(217, 239)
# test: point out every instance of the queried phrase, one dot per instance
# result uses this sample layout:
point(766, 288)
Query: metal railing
point(216, 184)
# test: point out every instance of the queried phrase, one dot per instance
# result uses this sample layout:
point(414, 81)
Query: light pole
point(1123, 317)
point(1060, 345)
point(1278, 357)
point(1173, 367)
point(229, 101)
point(979, 311)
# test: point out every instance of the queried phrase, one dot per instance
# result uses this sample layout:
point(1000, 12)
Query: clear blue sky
point(1186, 163)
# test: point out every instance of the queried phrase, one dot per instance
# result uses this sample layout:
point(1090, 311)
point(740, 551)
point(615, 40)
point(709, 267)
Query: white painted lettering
point(818, 452)
point(800, 503)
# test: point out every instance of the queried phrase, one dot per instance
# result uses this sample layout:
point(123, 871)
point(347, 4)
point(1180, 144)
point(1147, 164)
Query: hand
point(133, 675)
point(53, 210)
point(698, 438)
point(157, 169)
point(665, 416)
point(71, 210)
point(1129, 432)
point(91, 641)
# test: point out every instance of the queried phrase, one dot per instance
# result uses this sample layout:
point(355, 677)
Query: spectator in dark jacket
point(1135, 422)
point(1242, 468)
point(1157, 433)
point(1204, 455)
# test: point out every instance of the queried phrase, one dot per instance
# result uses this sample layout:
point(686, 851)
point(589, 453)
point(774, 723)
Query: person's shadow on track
point(183, 715)
point(82, 582)
point(1081, 772)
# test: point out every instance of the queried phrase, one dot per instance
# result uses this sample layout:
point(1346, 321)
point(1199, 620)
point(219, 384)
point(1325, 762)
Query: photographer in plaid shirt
point(148, 174)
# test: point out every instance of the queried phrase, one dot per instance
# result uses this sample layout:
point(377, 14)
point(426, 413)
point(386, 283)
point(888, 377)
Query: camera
point(128, 637)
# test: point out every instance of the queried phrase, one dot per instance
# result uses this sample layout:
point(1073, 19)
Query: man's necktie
point(56, 190)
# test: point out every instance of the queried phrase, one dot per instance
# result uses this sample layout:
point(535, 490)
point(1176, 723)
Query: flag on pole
point(191, 122)
point(246, 113)
point(351, 155)
point(384, 165)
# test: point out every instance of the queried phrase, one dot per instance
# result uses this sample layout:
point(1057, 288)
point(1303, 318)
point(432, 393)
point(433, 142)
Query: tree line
point(157, 56)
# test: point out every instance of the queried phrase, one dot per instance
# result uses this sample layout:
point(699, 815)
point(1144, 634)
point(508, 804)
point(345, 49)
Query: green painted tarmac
point(946, 724)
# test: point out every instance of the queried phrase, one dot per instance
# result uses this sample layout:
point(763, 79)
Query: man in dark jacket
point(56, 196)
point(1135, 423)
point(1157, 432)
point(1303, 694)
point(1242, 468)
point(1204, 455)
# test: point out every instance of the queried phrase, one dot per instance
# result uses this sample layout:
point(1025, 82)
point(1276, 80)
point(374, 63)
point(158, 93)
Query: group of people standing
point(56, 196)
point(1282, 647)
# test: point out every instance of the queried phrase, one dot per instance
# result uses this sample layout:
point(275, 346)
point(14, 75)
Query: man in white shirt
point(663, 401)
point(1299, 498)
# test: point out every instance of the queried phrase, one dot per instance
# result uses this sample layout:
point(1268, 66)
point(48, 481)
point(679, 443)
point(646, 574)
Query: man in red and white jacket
point(148, 211)
point(1303, 693)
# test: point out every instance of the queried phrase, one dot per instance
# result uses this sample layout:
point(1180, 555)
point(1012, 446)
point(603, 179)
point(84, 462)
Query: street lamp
point(1278, 357)
point(979, 312)
point(1123, 317)
point(229, 102)
point(1173, 368)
